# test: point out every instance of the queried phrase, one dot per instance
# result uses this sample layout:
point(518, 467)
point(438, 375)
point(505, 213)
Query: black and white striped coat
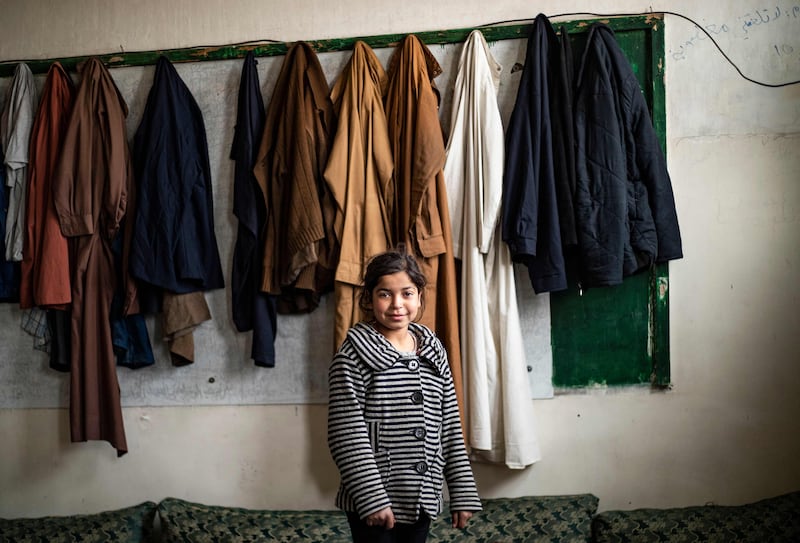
point(394, 429)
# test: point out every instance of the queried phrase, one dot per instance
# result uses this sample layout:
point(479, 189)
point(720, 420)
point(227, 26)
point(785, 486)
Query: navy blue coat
point(252, 309)
point(530, 221)
point(174, 246)
point(625, 209)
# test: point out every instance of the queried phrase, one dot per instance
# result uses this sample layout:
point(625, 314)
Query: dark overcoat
point(530, 217)
point(174, 245)
point(252, 309)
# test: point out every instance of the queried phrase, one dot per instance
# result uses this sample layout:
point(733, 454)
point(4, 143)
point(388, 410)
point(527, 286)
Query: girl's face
point(395, 302)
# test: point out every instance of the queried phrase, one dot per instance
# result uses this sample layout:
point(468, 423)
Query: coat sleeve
point(72, 200)
point(457, 470)
point(115, 202)
point(651, 166)
point(348, 438)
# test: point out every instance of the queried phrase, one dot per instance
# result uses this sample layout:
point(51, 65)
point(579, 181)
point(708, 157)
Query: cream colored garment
point(501, 422)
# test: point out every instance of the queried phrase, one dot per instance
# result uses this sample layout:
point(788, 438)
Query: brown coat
point(90, 188)
point(44, 277)
point(359, 174)
point(289, 169)
point(421, 218)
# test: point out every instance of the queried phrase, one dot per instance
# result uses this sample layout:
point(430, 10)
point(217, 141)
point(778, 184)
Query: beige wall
point(728, 430)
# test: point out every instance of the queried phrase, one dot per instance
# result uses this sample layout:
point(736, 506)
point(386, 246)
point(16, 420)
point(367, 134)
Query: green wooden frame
point(269, 48)
point(594, 347)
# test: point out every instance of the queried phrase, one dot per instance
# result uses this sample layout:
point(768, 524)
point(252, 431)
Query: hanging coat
point(420, 214)
point(299, 255)
point(359, 174)
point(90, 188)
point(174, 246)
point(625, 209)
point(16, 122)
point(252, 309)
point(530, 209)
point(9, 271)
point(45, 268)
point(501, 425)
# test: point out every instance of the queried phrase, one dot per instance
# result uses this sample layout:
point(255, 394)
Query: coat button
point(416, 397)
point(413, 365)
point(419, 433)
point(421, 467)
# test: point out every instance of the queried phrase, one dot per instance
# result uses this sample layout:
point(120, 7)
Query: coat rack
point(268, 48)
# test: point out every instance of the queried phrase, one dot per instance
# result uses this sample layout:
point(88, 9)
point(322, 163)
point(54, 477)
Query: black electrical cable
point(680, 15)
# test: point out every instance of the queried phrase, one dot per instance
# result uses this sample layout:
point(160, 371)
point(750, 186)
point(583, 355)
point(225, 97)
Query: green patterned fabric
point(528, 519)
point(129, 525)
point(505, 520)
point(774, 520)
point(183, 521)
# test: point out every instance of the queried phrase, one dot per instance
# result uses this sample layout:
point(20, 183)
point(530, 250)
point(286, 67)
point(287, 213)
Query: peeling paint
point(663, 287)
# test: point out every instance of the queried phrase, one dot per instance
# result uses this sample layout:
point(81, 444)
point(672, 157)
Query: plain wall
point(727, 430)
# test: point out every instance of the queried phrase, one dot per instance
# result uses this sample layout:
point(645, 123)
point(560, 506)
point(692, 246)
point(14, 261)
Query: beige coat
point(359, 174)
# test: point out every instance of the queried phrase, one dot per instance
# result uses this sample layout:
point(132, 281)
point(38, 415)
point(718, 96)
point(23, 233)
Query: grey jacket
point(394, 428)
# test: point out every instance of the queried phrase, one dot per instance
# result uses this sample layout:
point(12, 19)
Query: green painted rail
point(268, 48)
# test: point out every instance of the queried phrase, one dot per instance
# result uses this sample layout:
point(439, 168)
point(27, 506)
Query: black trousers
point(401, 533)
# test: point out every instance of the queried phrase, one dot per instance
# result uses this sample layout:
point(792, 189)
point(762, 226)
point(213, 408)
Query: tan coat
point(359, 174)
point(90, 187)
point(298, 258)
point(421, 218)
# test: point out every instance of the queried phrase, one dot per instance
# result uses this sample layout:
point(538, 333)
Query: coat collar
point(377, 353)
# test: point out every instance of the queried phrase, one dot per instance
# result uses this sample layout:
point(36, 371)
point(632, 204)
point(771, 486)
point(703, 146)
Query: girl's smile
point(395, 303)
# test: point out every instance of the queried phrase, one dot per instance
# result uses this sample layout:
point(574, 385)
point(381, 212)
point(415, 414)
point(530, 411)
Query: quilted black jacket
point(624, 205)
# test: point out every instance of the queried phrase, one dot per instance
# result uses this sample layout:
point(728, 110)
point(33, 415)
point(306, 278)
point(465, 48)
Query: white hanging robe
point(500, 409)
point(16, 123)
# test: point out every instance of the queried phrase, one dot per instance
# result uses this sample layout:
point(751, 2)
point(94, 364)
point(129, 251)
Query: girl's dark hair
point(392, 261)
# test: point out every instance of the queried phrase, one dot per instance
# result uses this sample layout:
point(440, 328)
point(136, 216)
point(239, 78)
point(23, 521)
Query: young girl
point(393, 423)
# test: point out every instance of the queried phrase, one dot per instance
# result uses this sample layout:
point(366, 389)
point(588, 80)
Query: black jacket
point(530, 219)
point(174, 245)
point(252, 309)
point(625, 209)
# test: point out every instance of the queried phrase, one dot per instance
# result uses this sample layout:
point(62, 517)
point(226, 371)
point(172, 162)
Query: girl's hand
point(384, 518)
point(460, 519)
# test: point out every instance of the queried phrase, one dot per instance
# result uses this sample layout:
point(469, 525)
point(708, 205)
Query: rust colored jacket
point(359, 174)
point(289, 169)
point(45, 262)
point(421, 218)
point(90, 189)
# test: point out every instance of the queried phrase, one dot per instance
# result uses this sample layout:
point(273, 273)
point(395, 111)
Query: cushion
point(183, 521)
point(528, 519)
point(503, 520)
point(131, 525)
point(772, 520)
